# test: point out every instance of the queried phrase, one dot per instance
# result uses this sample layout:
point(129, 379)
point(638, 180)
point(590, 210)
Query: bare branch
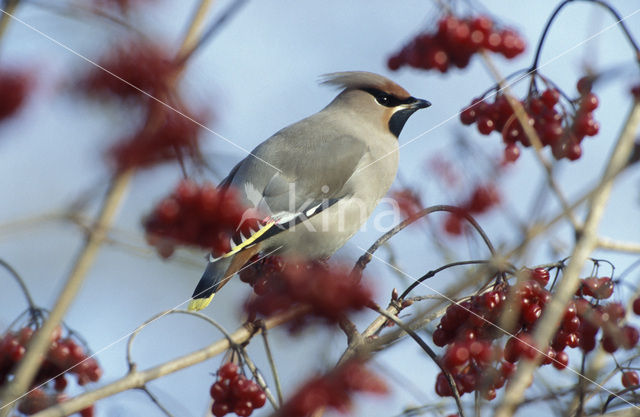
point(587, 242)
point(137, 379)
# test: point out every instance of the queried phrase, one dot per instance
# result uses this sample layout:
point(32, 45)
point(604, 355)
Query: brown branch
point(137, 379)
point(10, 9)
point(30, 364)
point(587, 242)
point(618, 245)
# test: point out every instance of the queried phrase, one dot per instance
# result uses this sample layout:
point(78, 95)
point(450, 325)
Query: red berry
point(14, 88)
point(468, 116)
point(485, 125)
point(441, 337)
point(218, 391)
point(60, 383)
point(630, 379)
point(456, 355)
point(240, 387)
point(507, 369)
point(228, 371)
point(259, 399)
point(511, 152)
point(219, 409)
point(605, 288)
point(571, 325)
point(243, 408)
point(60, 355)
point(561, 360)
point(636, 306)
point(573, 151)
point(550, 97)
point(442, 386)
point(630, 337)
point(609, 344)
point(88, 412)
point(584, 85)
point(541, 276)
point(589, 102)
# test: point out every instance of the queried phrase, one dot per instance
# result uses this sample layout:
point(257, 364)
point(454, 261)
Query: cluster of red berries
point(333, 390)
point(147, 66)
point(557, 128)
point(455, 42)
point(630, 378)
point(203, 216)
point(165, 135)
point(469, 331)
point(136, 71)
point(330, 292)
point(14, 88)
point(483, 198)
point(234, 393)
point(64, 357)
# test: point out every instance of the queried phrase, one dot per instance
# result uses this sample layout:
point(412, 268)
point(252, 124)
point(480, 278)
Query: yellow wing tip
point(198, 304)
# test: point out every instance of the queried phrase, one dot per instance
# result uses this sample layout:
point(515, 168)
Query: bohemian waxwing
point(318, 180)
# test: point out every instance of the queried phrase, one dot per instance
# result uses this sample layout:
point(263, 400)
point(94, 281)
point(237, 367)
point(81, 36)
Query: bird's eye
point(383, 98)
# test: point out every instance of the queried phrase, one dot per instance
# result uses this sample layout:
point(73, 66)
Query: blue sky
point(258, 75)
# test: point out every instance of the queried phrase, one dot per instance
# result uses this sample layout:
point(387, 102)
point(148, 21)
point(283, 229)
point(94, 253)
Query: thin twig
point(272, 363)
point(258, 376)
point(431, 274)
point(20, 281)
point(212, 30)
point(366, 258)
point(156, 401)
point(428, 351)
point(554, 14)
point(138, 379)
point(158, 316)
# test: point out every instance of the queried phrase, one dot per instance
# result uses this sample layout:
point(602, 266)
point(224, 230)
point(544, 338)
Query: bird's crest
point(363, 79)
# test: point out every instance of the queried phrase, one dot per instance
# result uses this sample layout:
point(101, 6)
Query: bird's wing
point(304, 178)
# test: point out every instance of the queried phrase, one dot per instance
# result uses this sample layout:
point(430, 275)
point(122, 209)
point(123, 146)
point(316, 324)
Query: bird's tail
point(217, 274)
point(212, 279)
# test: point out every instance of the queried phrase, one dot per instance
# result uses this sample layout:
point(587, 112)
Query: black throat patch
point(399, 118)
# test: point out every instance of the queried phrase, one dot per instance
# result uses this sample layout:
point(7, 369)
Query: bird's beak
point(419, 103)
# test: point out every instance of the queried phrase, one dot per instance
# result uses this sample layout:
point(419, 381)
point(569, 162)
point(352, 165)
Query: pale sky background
point(259, 74)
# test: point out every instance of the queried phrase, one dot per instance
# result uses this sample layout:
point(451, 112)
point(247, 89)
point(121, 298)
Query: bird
point(317, 181)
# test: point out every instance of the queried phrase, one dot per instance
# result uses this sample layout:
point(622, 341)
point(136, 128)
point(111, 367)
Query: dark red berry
point(550, 97)
point(541, 276)
point(561, 360)
point(219, 409)
point(485, 125)
point(228, 371)
point(630, 379)
point(589, 102)
point(511, 152)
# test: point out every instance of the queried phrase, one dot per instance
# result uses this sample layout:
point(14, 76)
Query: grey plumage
point(334, 166)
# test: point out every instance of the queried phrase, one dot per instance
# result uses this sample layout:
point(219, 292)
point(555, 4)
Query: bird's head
point(375, 98)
